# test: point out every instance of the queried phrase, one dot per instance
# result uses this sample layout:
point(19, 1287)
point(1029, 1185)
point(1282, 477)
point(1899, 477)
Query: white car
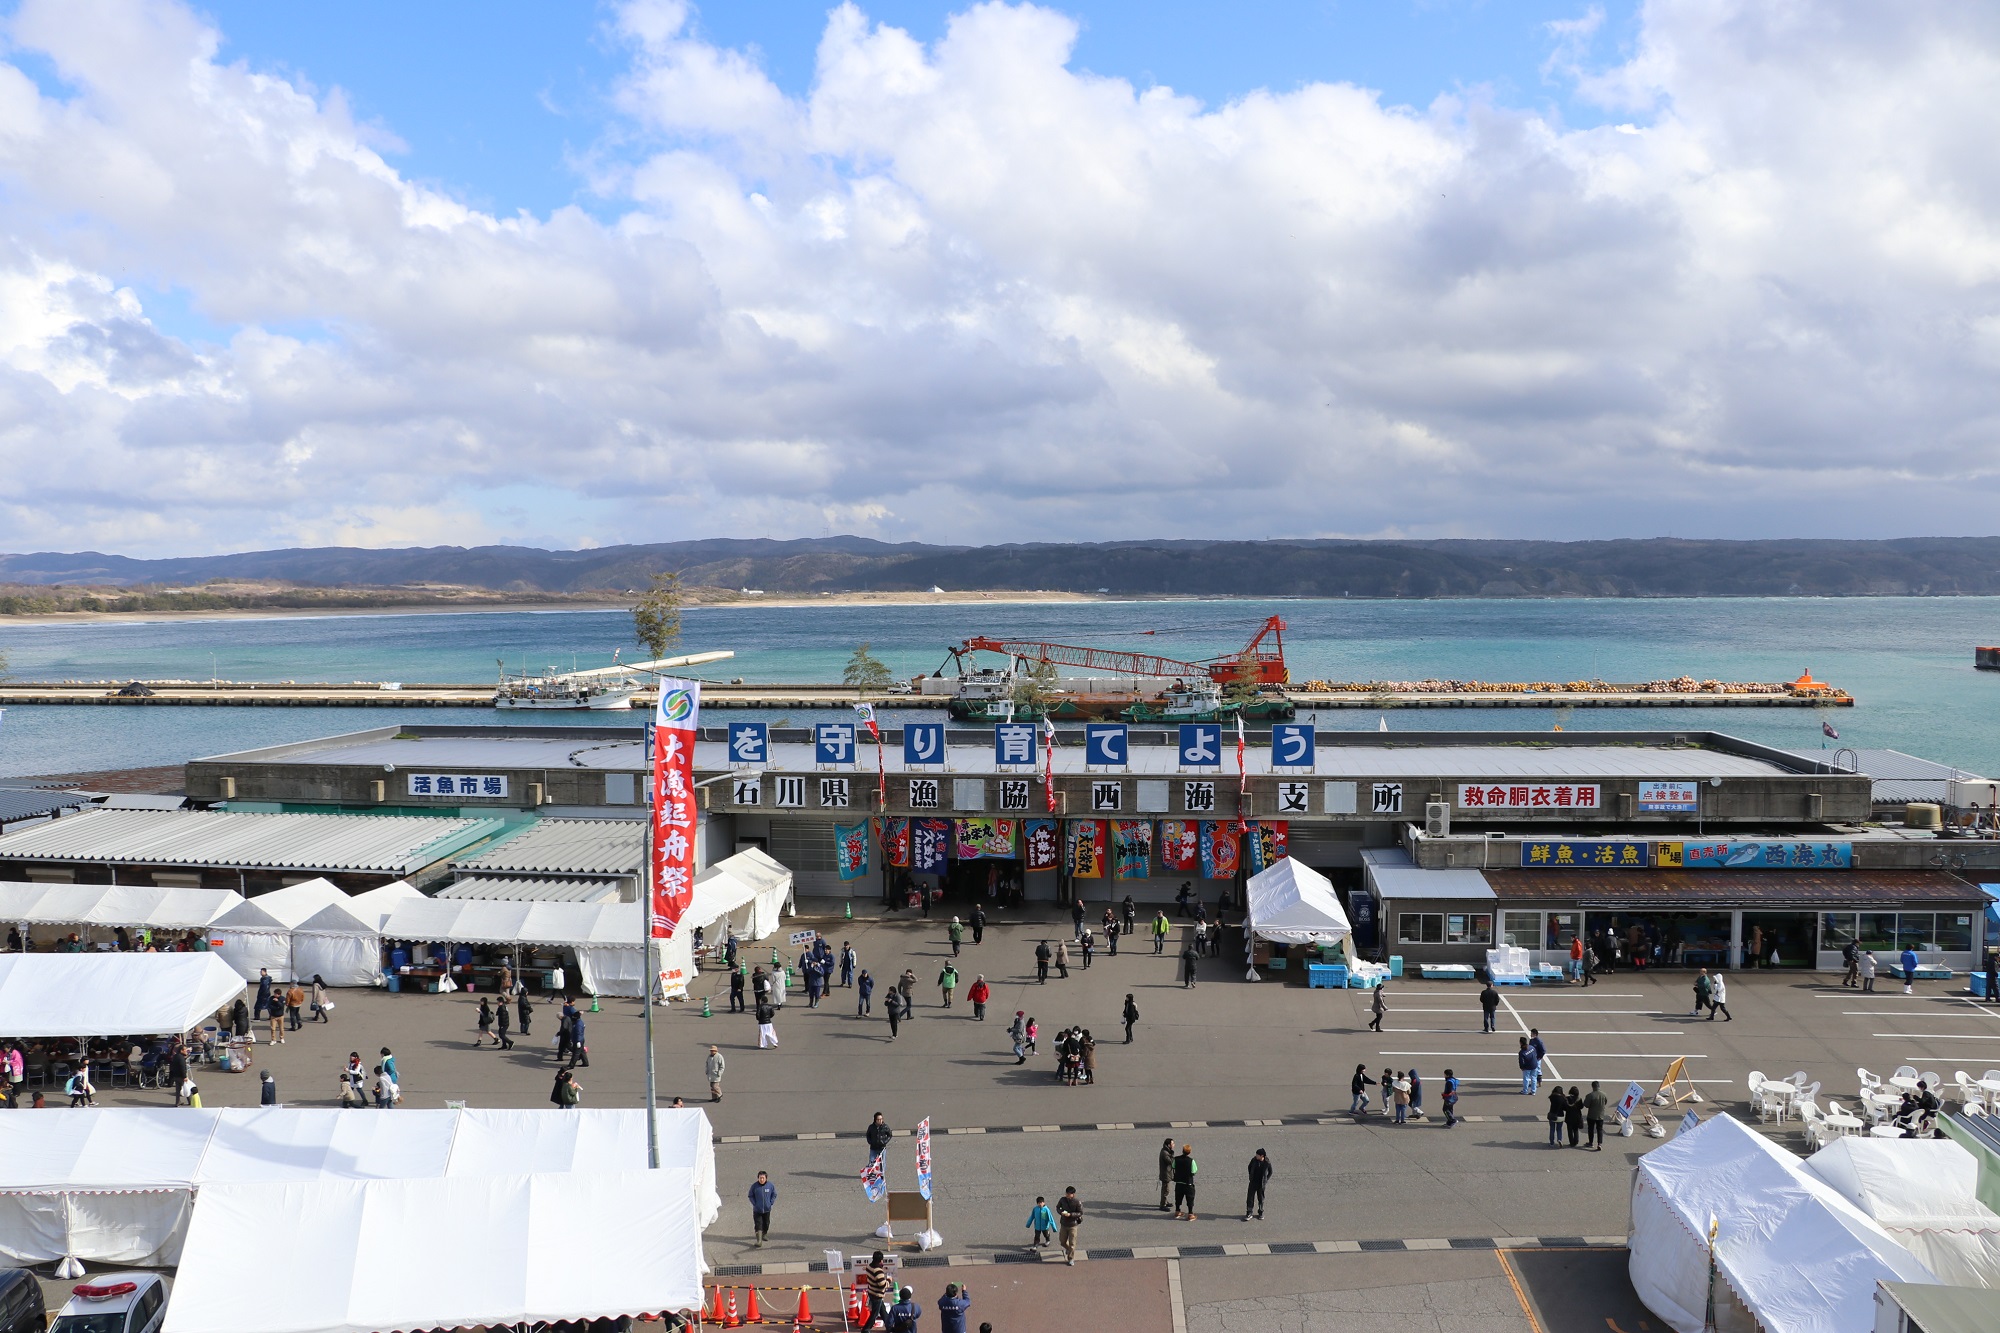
point(115, 1303)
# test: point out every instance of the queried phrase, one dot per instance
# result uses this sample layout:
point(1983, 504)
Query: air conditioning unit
point(1437, 819)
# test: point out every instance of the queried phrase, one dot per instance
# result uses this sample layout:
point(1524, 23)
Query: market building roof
point(18, 803)
point(531, 889)
point(323, 843)
point(563, 847)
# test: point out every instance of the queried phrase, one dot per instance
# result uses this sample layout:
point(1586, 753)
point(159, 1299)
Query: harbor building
point(1691, 848)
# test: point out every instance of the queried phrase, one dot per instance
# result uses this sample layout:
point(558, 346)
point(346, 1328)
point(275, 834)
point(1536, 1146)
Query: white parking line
point(1567, 1055)
point(1573, 1013)
point(1934, 1036)
point(1547, 1064)
point(1587, 1032)
point(1515, 1082)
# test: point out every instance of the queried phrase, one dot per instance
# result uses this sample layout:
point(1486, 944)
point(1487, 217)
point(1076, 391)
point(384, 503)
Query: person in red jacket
point(979, 995)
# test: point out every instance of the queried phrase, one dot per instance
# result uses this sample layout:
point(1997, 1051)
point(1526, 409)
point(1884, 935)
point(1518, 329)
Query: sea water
point(1908, 661)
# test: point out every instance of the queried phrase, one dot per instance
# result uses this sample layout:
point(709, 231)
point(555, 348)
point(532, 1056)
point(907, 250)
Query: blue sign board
point(1293, 745)
point(1201, 745)
point(1585, 854)
point(1014, 743)
point(1758, 855)
point(833, 743)
point(749, 742)
point(1104, 744)
point(923, 743)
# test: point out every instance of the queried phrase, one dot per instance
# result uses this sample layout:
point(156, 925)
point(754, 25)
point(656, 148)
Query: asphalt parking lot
point(1205, 1061)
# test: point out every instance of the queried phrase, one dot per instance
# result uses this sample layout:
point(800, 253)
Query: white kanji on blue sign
point(1104, 744)
point(1292, 745)
point(1014, 743)
point(833, 743)
point(749, 742)
point(923, 742)
point(1201, 744)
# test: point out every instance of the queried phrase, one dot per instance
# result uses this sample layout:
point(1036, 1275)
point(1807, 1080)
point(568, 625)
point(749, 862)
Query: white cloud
point(965, 292)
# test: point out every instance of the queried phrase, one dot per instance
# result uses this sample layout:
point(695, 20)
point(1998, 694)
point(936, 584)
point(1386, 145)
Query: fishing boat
point(596, 689)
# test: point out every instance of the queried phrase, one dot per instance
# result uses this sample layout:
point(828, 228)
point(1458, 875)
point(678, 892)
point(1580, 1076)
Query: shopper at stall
point(239, 1019)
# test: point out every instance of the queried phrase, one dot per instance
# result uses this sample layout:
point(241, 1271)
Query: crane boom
point(1269, 663)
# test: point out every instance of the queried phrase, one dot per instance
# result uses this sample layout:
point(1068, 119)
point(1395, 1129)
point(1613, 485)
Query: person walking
point(713, 1068)
point(1703, 989)
point(524, 1010)
point(815, 982)
point(1541, 1051)
point(763, 1198)
point(1993, 976)
point(952, 1307)
point(1573, 1116)
point(1850, 954)
point(1416, 1095)
point(485, 1023)
point(1042, 957)
point(1069, 1216)
point(1260, 1177)
point(177, 1070)
point(1377, 1007)
point(736, 1005)
point(1594, 1103)
point(263, 1007)
point(1589, 965)
point(979, 994)
point(881, 1291)
point(1089, 947)
point(760, 986)
point(956, 933)
point(1575, 959)
point(849, 961)
point(1131, 1017)
point(767, 1031)
point(267, 1088)
point(892, 1009)
point(1188, 967)
point(907, 984)
point(1018, 1030)
point(565, 1033)
point(978, 924)
point(579, 1050)
point(1527, 1061)
point(1489, 1005)
point(1718, 1000)
point(864, 990)
point(320, 1005)
point(1450, 1099)
point(502, 1021)
point(1087, 1052)
point(1558, 1108)
point(1160, 928)
point(1166, 1172)
point(1400, 1092)
point(389, 1068)
point(385, 1090)
point(1062, 959)
point(295, 1003)
point(1868, 966)
point(1111, 937)
point(1358, 1086)
point(947, 983)
point(277, 1018)
point(1034, 1031)
point(1042, 1222)
point(905, 1313)
point(1184, 1173)
point(1076, 918)
point(1909, 962)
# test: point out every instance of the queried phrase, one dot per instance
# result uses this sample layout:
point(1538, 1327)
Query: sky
point(573, 275)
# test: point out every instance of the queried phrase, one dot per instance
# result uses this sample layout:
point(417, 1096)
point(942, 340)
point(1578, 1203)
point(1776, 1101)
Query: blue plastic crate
point(1326, 976)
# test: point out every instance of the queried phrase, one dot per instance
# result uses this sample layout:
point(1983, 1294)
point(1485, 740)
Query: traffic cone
point(593, 1004)
point(729, 1319)
point(850, 911)
point(704, 1008)
point(715, 1314)
point(751, 1314)
point(803, 1319)
point(857, 1305)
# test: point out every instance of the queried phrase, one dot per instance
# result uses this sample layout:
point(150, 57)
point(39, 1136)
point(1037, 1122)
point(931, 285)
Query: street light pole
point(646, 942)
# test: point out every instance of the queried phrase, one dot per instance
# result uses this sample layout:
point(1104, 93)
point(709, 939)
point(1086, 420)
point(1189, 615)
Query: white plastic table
point(1991, 1085)
point(1884, 1132)
point(1844, 1123)
point(1905, 1082)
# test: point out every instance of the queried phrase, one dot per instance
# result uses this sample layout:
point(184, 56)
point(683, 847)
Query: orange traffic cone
point(857, 1305)
point(715, 1311)
point(803, 1319)
point(751, 1314)
point(729, 1319)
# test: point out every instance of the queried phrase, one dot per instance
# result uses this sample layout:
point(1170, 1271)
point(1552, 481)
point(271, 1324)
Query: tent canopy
point(111, 994)
point(750, 879)
point(134, 906)
point(361, 1256)
point(1291, 903)
point(282, 909)
point(375, 905)
point(487, 921)
point(1799, 1257)
point(1924, 1193)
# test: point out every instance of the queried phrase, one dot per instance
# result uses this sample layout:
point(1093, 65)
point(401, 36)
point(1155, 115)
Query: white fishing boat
point(597, 689)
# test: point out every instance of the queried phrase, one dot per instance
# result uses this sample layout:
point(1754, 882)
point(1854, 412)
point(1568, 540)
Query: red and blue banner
point(930, 845)
point(850, 849)
point(1268, 838)
point(1041, 844)
point(1219, 852)
point(1086, 849)
point(675, 818)
point(1132, 848)
point(896, 842)
point(985, 839)
point(1180, 845)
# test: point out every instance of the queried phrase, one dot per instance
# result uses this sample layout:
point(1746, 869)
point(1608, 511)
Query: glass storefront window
point(1562, 929)
point(1420, 928)
point(1878, 931)
point(1837, 931)
point(1916, 930)
point(1468, 928)
point(1954, 931)
point(1523, 930)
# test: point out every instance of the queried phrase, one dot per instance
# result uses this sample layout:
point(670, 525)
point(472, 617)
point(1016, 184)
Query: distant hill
point(1651, 567)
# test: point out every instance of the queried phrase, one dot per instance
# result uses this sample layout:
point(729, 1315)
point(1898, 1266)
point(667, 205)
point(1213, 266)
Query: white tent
point(111, 994)
point(376, 904)
point(342, 942)
point(603, 937)
point(1291, 903)
point(134, 906)
point(749, 889)
point(114, 1186)
point(1924, 1193)
point(1799, 1258)
point(258, 933)
point(361, 1256)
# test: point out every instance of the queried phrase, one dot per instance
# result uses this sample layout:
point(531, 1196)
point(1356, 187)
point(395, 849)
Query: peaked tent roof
point(1292, 903)
point(483, 921)
point(131, 905)
point(733, 882)
point(283, 909)
point(376, 904)
point(111, 994)
point(1924, 1193)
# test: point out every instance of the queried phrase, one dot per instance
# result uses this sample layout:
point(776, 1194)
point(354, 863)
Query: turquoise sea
point(1907, 660)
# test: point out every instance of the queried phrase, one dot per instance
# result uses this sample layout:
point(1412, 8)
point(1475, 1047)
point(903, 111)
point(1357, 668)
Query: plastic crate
point(1326, 976)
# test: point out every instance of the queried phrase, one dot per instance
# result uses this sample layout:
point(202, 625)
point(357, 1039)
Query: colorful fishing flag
point(1132, 848)
point(924, 1157)
point(1219, 856)
point(1180, 845)
point(1268, 839)
point(1049, 762)
point(850, 849)
point(1827, 727)
point(930, 845)
point(1242, 778)
point(985, 839)
point(896, 842)
point(1041, 844)
point(1086, 848)
point(867, 712)
point(873, 1179)
point(674, 815)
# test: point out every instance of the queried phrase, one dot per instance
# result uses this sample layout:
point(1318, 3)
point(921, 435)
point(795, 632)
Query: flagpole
point(646, 941)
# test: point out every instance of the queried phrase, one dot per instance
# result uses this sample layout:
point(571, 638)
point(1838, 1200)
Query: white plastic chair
point(1797, 1078)
point(1974, 1108)
point(1932, 1079)
point(1991, 1075)
point(1755, 1082)
point(1868, 1080)
point(1905, 1071)
point(1817, 1132)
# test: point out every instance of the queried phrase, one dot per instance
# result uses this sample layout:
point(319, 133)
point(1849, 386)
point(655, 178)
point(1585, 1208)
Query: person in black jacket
point(1131, 1018)
point(879, 1135)
point(1489, 1004)
point(1166, 1172)
point(1184, 1170)
point(1359, 1085)
point(1260, 1176)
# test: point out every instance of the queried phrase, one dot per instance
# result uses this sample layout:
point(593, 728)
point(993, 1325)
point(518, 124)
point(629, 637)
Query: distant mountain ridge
point(1646, 567)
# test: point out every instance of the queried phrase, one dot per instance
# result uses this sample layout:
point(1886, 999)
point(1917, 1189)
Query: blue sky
point(492, 98)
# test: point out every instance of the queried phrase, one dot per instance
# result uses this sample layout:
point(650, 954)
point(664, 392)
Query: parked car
point(21, 1308)
point(115, 1303)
